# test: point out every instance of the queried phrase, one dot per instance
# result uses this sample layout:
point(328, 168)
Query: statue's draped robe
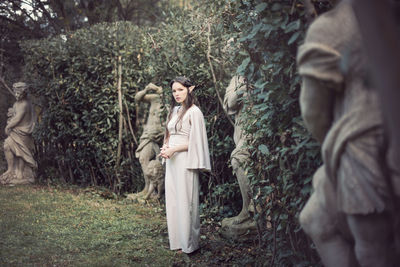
point(20, 139)
point(233, 106)
point(181, 179)
point(151, 135)
point(352, 148)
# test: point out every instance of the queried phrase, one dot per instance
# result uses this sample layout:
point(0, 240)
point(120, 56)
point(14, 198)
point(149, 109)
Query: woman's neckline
point(179, 106)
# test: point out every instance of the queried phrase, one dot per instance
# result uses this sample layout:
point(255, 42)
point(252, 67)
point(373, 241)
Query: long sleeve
point(198, 152)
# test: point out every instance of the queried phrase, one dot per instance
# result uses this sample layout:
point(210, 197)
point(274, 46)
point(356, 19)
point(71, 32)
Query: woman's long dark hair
point(189, 101)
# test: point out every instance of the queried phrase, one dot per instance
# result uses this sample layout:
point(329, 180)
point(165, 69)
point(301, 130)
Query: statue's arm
point(143, 96)
point(140, 95)
point(316, 104)
point(150, 97)
point(235, 89)
point(20, 111)
point(10, 112)
point(231, 100)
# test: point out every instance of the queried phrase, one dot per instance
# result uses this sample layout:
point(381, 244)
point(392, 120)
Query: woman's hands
point(167, 152)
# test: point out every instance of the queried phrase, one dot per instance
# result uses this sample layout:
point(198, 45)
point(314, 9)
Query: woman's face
point(179, 92)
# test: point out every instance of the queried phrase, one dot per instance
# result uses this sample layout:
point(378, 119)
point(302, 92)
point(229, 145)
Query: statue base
point(134, 197)
point(9, 178)
point(242, 231)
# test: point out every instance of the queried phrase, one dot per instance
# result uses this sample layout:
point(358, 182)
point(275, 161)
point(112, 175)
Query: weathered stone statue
point(19, 145)
point(242, 223)
point(351, 215)
point(153, 132)
point(155, 174)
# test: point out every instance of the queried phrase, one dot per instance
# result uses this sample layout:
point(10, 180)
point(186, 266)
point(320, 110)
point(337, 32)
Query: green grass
point(49, 226)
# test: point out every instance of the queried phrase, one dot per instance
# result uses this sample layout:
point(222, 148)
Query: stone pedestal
point(243, 231)
point(10, 178)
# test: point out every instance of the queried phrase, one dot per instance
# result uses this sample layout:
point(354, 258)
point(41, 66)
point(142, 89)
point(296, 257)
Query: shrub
point(76, 76)
point(284, 154)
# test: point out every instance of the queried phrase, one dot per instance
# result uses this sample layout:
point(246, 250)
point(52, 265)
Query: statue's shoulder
point(332, 26)
point(22, 104)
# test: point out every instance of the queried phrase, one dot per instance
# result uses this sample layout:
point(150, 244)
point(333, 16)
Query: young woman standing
point(186, 152)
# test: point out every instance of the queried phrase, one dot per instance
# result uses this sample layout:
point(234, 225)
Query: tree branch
point(213, 74)
point(119, 85)
point(6, 86)
point(130, 124)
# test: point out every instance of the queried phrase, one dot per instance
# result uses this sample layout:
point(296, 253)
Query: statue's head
point(20, 90)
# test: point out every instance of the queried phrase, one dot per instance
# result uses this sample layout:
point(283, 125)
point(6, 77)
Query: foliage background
point(74, 76)
point(284, 154)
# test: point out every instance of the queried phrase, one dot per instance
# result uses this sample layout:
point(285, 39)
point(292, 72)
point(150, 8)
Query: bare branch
point(213, 74)
point(6, 86)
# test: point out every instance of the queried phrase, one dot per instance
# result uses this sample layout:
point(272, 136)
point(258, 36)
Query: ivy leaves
point(284, 155)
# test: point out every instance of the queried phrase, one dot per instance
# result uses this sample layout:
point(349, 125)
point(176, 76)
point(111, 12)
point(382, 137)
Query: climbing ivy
point(284, 154)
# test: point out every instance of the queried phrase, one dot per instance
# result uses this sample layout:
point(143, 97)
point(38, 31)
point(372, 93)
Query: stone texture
point(351, 214)
point(242, 224)
point(152, 135)
point(19, 145)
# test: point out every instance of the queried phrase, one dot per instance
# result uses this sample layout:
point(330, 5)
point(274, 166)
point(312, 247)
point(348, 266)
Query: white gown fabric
point(182, 179)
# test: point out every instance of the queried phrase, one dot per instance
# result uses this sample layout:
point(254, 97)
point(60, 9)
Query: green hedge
point(76, 77)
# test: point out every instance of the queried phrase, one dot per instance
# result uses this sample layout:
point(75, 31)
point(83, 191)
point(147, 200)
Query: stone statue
point(155, 174)
point(19, 145)
point(152, 135)
point(239, 157)
point(351, 214)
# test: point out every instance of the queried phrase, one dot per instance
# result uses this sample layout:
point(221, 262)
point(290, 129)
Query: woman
point(186, 152)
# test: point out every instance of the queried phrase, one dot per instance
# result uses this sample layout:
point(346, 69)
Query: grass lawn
point(46, 226)
point(55, 226)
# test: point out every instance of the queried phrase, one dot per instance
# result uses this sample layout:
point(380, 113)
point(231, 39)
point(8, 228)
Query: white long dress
point(182, 179)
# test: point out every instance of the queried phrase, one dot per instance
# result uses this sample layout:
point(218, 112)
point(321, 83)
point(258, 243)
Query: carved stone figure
point(19, 145)
point(351, 215)
point(155, 174)
point(239, 156)
point(153, 132)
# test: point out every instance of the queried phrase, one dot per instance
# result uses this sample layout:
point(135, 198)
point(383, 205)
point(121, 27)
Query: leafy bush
point(284, 155)
point(76, 76)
